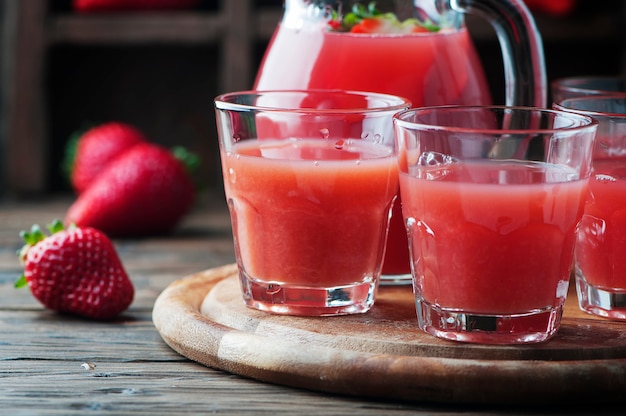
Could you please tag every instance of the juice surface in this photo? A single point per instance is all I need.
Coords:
(601, 241)
(312, 211)
(500, 244)
(426, 68)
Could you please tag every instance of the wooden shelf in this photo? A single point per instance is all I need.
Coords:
(30, 28)
(136, 29)
(151, 28)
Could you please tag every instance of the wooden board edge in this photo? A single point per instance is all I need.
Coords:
(177, 318)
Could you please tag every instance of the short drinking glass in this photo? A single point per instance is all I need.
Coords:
(601, 244)
(492, 197)
(310, 178)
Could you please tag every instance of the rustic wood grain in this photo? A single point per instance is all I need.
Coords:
(42, 353)
(383, 353)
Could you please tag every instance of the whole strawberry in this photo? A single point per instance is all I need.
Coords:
(146, 190)
(97, 147)
(75, 270)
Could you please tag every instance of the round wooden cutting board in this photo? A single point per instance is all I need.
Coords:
(382, 353)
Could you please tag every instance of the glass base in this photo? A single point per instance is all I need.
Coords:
(301, 300)
(601, 302)
(396, 279)
(530, 327)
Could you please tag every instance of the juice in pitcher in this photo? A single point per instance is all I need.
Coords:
(427, 67)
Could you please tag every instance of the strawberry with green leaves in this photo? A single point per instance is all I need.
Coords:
(76, 271)
(145, 191)
(369, 20)
(88, 153)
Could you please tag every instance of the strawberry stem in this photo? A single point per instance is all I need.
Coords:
(20, 282)
(33, 236)
(71, 148)
(56, 226)
(189, 159)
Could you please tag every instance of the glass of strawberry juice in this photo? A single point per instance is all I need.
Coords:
(600, 263)
(492, 198)
(310, 178)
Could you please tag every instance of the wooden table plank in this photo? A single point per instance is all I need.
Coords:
(166, 388)
(41, 352)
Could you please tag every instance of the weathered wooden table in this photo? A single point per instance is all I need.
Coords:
(45, 357)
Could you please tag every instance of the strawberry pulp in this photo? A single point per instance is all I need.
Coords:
(329, 211)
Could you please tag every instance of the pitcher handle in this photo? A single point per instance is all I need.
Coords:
(522, 48)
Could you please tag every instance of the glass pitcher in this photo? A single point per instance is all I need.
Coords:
(417, 49)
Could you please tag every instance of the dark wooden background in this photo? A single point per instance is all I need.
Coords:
(160, 71)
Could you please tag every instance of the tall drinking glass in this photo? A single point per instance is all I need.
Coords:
(492, 197)
(601, 244)
(310, 178)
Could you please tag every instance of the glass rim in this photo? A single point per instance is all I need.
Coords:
(591, 113)
(580, 123)
(395, 103)
(581, 84)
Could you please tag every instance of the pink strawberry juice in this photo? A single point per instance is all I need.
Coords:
(488, 247)
(310, 212)
(427, 68)
(601, 244)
